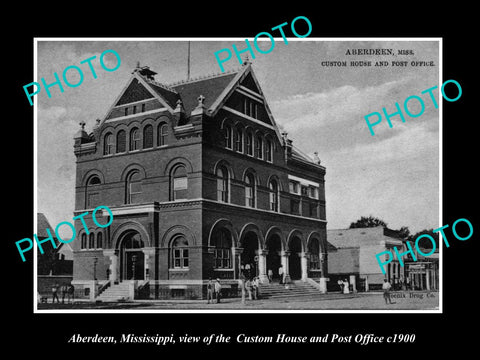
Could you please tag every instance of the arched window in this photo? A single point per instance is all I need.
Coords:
(314, 254)
(134, 187)
(162, 134)
(92, 192)
(121, 141)
(83, 243)
(223, 249)
(108, 144)
(268, 150)
(228, 137)
(274, 195)
(259, 146)
(222, 184)
(134, 139)
(179, 183)
(250, 190)
(238, 139)
(91, 241)
(249, 145)
(180, 253)
(99, 240)
(148, 136)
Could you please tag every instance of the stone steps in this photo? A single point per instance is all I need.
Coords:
(115, 292)
(295, 288)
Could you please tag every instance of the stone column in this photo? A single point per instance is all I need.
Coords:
(323, 285)
(148, 254)
(262, 266)
(236, 253)
(428, 279)
(303, 264)
(284, 260)
(323, 263)
(113, 255)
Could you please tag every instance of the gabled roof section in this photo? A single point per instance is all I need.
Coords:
(141, 87)
(168, 94)
(42, 225)
(244, 77)
(134, 92)
(211, 88)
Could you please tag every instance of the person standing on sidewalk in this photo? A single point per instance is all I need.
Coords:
(270, 275)
(55, 294)
(255, 284)
(386, 291)
(218, 290)
(209, 290)
(280, 274)
(248, 286)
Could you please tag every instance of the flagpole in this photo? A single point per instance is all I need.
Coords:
(188, 62)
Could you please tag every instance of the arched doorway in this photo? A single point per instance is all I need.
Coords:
(274, 247)
(132, 262)
(294, 261)
(249, 257)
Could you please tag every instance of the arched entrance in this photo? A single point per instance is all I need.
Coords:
(274, 247)
(294, 261)
(249, 258)
(132, 262)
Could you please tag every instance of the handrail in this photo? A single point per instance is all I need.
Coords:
(104, 287)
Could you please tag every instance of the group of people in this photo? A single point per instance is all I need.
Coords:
(67, 291)
(214, 290)
(251, 285)
(344, 286)
(281, 275)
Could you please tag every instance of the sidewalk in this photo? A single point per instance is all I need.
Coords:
(332, 301)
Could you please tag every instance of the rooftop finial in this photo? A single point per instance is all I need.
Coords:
(138, 64)
(82, 124)
(201, 99)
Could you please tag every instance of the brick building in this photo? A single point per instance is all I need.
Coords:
(201, 182)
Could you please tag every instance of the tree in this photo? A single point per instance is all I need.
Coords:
(424, 242)
(404, 232)
(365, 222)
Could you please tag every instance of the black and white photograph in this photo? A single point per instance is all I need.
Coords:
(254, 188)
(198, 182)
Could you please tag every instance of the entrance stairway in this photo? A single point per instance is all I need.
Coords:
(295, 288)
(115, 292)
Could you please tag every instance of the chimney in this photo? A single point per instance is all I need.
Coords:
(145, 71)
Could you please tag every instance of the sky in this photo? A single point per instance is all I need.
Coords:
(393, 175)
